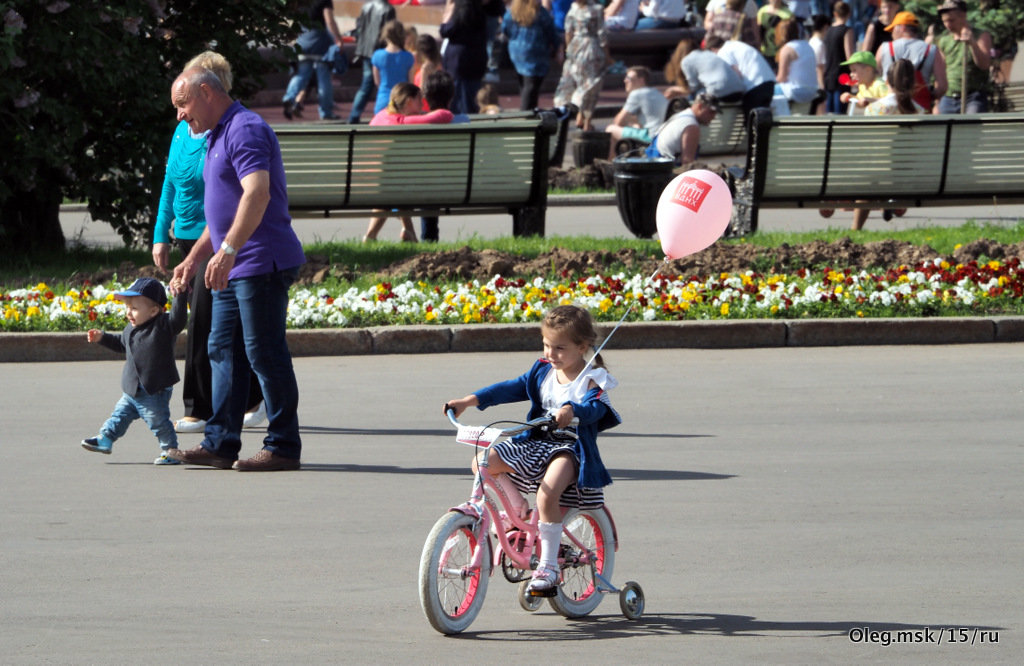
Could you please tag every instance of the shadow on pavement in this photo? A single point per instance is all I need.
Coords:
(710, 624)
(617, 474)
(450, 432)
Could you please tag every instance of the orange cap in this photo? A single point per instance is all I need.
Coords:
(903, 18)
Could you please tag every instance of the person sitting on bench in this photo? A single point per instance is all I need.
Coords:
(679, 136)
(643, 111)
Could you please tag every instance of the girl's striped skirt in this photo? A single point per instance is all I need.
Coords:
(530, 458)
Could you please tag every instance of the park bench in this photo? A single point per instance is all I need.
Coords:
(650, 48)
(724, 135)
(877, 162)
(482, 167)
(1008, 97)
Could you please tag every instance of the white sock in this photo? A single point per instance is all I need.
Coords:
(550, 538)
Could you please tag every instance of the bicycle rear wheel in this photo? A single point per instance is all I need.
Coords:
(450, 594)
(578, 594)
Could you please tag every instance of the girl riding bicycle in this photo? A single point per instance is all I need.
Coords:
(562, 473)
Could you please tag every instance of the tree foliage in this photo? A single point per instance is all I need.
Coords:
(1003, 18)
(85, 100)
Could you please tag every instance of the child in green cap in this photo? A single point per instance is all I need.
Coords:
(864, 74)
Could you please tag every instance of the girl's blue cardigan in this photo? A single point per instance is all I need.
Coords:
(594, 413)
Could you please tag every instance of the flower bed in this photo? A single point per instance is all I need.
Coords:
(932, 288)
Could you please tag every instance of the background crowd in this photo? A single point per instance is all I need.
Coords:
(835, 55)
(872, 57)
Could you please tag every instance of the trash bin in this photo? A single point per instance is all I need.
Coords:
(588, 146)
(639, 182)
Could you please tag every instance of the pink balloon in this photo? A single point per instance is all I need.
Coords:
(693, 212)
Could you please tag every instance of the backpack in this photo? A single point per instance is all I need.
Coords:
(922, 94)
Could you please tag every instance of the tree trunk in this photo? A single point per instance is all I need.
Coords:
(30, 222)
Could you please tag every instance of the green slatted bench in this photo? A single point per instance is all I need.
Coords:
(878, 162)
(480, 167)
(1009, 97)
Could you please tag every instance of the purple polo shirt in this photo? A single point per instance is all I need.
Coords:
(240, 144)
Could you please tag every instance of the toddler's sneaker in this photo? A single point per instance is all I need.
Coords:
(544, 580)
(165, 460)
(98, 444)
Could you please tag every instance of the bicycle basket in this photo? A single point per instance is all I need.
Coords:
(477, 436)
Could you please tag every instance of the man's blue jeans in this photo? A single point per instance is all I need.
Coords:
(366, 92)
(324, 90)
(977, 102)
(153, 408)
(249, 321)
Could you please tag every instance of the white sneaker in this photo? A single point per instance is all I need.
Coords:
(255, 417)
(189, 425)
(543, 579)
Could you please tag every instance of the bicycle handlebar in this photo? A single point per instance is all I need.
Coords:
(479, 436)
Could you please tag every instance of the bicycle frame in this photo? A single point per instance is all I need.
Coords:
(482, 498)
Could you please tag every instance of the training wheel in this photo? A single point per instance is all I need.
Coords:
(631, 600)
(527, 601)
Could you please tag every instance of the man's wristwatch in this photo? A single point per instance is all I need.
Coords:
(228, 249)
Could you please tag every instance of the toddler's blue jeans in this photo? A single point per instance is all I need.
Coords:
(153, 408)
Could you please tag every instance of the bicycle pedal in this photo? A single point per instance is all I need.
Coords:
(550, 592)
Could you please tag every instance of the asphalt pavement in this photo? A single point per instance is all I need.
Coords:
(820, 505)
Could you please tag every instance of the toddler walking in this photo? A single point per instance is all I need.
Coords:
(149, 372)
(562, 473)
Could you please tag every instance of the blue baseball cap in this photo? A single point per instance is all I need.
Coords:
(149, 287)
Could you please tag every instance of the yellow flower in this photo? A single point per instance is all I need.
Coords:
(32, 311)
(773, 309)
(839, 289)
(993, 265)
(431, 316)
(724, 309)
(41, 287)
(860, 313)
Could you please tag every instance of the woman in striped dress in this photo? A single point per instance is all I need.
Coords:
(573, 391)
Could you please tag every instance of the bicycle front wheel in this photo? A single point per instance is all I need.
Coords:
(450, 593)
(578, 595)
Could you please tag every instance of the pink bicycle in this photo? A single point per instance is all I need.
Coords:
(463, 550)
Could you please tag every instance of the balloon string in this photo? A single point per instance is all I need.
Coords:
(622, 319)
